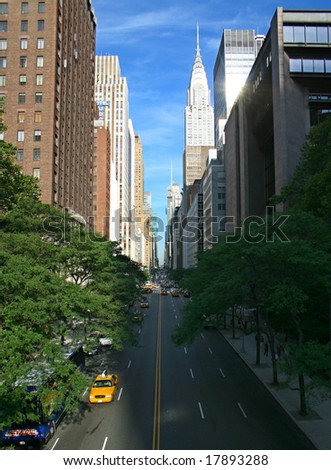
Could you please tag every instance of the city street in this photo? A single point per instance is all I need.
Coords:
(197, 397)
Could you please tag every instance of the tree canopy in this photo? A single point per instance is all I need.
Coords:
(61, 286)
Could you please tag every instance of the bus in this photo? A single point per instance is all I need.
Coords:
(43, 411)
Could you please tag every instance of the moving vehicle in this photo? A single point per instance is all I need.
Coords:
(164, 292)
(42, 405)
(175, 293)
(144, 303)
(42, 415)
(104, 388)
(137, 317)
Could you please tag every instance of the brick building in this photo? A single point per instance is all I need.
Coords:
(47, 52)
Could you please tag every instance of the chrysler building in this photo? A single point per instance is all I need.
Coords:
(199, 122)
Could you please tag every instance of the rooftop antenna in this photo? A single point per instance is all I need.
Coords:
(198, 39)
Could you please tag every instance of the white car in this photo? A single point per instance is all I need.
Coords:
(105, 341)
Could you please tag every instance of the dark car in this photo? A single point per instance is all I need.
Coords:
(137, 317)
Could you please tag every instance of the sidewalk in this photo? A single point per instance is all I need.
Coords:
(317, 425)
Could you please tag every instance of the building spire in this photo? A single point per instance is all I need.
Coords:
(198, 39)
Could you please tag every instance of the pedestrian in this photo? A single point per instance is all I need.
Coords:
(266, 348)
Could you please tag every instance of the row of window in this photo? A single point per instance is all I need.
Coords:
(23, 62)
(24, 7)
(22, 79)
(23, 43)
(21, 117)
(36, 154)
(21, 136)
(307, 34)
(302, 65)
(24, 26)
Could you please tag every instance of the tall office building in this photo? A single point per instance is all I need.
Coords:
(47, 84)
(235, 57)
(199, 122)
(287, 91)
(111, 92)
(174, 199)
(101, 166)
(139, 215)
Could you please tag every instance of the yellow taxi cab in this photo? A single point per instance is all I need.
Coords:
(104, 388)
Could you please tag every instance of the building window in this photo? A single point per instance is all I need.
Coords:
(21, 98)
(40, 43)
(39, 79)
(306, 34)
(36, 173)
(40, 61)
(25, 7)
(20, 136)
(2, 80)
(24, 43)
(23, 61)
(3, 44)
(37, 116)
(3, 26)
(38, 98)
(24, 26)
(3, 62)
(21, 117)
(36, 154)
(3, 8)
(22, 80)
(41, 25)
(37, 136)
(20, 154)
(41, 7)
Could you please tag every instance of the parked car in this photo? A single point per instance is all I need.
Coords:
(104, 388)
(91, 349)
(105, 341)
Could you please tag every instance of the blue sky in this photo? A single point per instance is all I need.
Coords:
(155, 43)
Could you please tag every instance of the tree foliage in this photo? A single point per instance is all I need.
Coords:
(60, 285)
(282, 270)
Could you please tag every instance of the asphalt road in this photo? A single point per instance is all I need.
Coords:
(198, 397)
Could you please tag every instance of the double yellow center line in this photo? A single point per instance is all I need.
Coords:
(157, 391)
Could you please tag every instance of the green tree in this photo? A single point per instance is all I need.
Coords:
(309, 188)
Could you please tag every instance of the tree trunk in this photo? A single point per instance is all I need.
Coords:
(258, 338)
(233, 325)
(303, 401)
(271, 338)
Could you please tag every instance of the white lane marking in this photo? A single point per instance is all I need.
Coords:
(105, 442)
(211, 352)
(221, 372)
(201, 334)
(192, 373)
(119, 395)
(57, 440)
(85, 391)
(129, 364)
(176, 317)
(201, 411)
(241, 409)
(185, 350)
